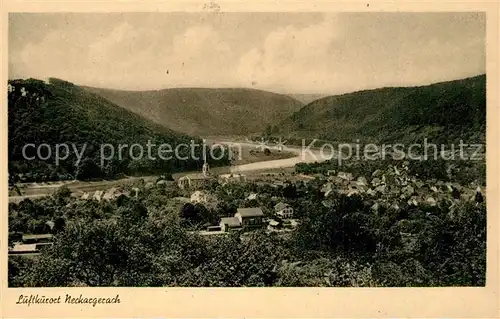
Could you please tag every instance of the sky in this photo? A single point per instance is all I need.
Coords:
(327, 53)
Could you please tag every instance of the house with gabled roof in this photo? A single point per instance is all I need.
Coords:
(245, 218)
(98, 195)
(199, 197)
(326, 189)
(283, 210)
(250, 217)
(228, 178)
(112, 193)
(346, 176)
(229, 223)
(252, 196)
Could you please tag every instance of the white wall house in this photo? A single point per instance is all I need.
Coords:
(98, 195)
(228, 178)
(199, 197)
(283, 210)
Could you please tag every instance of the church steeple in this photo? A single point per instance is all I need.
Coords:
(205, 168)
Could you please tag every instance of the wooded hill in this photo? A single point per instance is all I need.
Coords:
(61, 112)
(204, 111)
(442, 113)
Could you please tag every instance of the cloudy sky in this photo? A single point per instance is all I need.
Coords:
(282, 52)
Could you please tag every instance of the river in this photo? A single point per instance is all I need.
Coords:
(304, 155)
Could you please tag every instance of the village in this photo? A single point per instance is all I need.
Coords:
(392, 189)
(245, 219)
(248, 149)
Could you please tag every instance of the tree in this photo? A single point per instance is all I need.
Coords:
(342, 227)
(188, 211)
(59, 224)
(87, 169)
(290, 191)
(62, 194)
(236, 261)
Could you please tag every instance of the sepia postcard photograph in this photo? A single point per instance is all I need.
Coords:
(246, 149)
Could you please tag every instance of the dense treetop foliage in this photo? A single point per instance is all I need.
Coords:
(342, 239)
(205, 111)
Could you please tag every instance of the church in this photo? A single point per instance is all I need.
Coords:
(198, 180)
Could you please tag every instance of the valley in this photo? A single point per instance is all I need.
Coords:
(303, 217)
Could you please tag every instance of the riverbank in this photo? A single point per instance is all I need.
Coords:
(296, 155)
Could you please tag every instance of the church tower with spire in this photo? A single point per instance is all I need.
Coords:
(205, 168)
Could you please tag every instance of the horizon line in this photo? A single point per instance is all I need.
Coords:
(254, 89)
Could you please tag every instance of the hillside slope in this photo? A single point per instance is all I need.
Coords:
(307, 98)
(200, 111)
(61, 112)
(441, 112)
